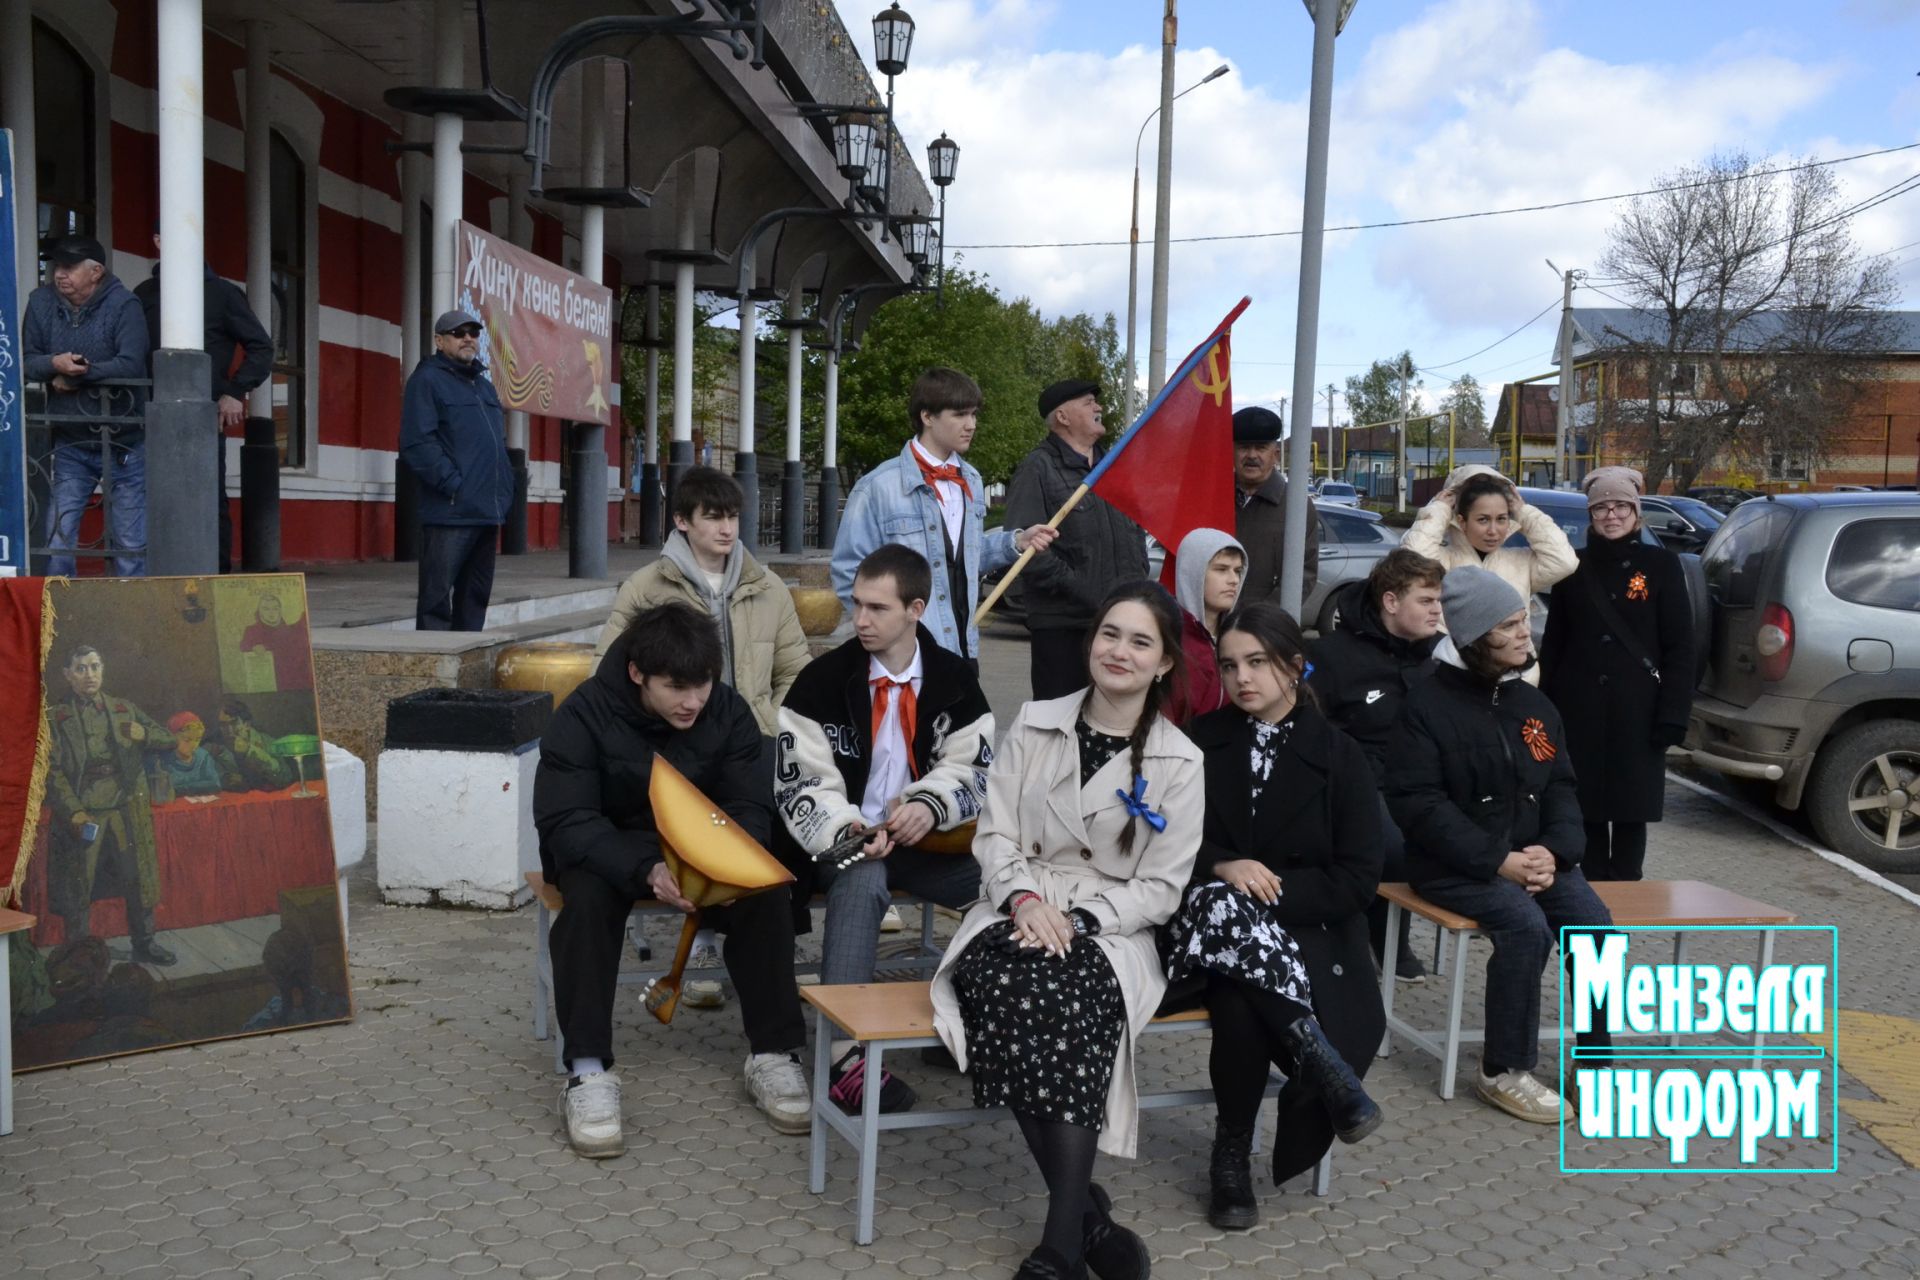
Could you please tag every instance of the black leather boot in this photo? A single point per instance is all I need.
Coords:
(1319, 1067)
(1232, 1207)
(1112, 1252)
(1044, 1264)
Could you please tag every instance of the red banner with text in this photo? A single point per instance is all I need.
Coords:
(548, 343)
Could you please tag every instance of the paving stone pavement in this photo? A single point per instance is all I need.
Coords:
(421, 1140)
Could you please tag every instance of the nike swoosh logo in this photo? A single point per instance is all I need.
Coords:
(1374, 695)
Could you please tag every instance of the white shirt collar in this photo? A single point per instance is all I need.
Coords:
(930, 459)
(875, 671)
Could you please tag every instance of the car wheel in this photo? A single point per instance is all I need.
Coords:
(1330, 613)
(1864, 795)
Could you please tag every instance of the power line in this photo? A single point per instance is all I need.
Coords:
(1435, 368)
(1456, 217)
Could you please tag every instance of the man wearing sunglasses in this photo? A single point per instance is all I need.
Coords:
(453, 436)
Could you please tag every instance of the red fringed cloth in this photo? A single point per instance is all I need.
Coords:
(26, 629)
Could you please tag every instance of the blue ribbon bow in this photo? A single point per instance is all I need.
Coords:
(1137, 804)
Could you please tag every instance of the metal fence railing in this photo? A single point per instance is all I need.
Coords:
(95, 459)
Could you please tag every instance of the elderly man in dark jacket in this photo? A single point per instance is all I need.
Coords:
(242, 356)
(1097, 550)
(83, 329)
(453, 436)
(657, 693)
(1260, 492)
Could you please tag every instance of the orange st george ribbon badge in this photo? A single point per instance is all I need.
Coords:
(1534, 734)
(1637, 587)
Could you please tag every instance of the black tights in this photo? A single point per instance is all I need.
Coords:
(1065, 1154)
(1615, 851)
(1246, 1019)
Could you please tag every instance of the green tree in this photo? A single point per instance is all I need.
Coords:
(1374, 396)
(1468, 403)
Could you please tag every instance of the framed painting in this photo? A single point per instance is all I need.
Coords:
(182, 870)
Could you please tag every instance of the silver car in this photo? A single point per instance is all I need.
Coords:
(1813, 678)
(1352, 541)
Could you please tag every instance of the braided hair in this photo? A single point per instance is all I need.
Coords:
(1166, 620)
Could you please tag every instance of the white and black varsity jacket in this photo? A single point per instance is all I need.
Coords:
(825, 745)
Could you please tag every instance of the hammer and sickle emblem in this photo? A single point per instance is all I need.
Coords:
(1216, 385)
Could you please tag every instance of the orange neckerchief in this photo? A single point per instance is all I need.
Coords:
(883, 687)
(949, 471)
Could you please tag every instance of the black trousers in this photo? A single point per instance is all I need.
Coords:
(585, 948)
(1392, 868)
(456, 576)
(1059, 658)
(1615, 851)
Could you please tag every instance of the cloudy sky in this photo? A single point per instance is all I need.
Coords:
(1440, 107)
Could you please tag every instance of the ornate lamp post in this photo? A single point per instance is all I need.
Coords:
(943, 161)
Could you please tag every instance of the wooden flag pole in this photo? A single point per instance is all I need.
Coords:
(1000, 588)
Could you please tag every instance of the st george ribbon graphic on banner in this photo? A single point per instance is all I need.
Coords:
(13, 427)
(549, 331)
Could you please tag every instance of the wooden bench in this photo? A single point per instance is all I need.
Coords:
(1677, 905)
(10, 922)
(885, 1016)
(547, 904)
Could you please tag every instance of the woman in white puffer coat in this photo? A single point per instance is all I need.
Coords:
(1468, 523)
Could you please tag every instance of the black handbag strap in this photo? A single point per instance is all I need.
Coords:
(1615, 623)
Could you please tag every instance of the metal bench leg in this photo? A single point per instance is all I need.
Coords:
(1439, 951)
(1389, 961)
(817, 1143)
(1457, 992)
(869, 1139)
(926, 929)
(1766, 958)
(540, 928)
(1323, 1174)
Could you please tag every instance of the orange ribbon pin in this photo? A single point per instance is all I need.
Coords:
(1534, 734)
(1637, 587)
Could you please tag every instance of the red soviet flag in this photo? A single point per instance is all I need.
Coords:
(1172, 472)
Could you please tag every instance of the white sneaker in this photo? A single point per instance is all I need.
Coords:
(704, 993)
(891, 922)
(1520, 1094)
(779, 1088)
(592, 1107)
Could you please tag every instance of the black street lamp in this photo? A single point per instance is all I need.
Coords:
(892, 40)
(943, 161)
(915, 234)
(854, 138)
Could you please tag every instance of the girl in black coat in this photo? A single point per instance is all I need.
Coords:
(1274, 924)
(1620, 673)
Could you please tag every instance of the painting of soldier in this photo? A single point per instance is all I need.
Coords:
(182, 869)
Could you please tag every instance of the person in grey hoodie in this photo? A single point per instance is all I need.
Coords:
(83, 329)
(1208, 570)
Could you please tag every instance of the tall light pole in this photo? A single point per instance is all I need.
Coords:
(1327, 21)
(1133, 245)
(1162, 205)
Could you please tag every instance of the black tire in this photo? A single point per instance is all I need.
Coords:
(1330, 612)
(1701, 605)
(1854, 766)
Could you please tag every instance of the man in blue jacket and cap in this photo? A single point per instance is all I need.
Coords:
(453, 436)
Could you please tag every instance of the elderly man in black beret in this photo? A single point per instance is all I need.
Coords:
(1098, 548)
(1260, 492)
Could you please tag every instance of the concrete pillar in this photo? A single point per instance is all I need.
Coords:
(793, 482)
(680, 456)
(16, 113)
(449, 62)
(745, 469)
(513, 538)
(182, 425)
(587, 530)
(830, 454)
(414, 178)
(650, 513)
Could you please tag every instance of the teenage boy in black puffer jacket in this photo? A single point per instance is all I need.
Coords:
(1483, 790)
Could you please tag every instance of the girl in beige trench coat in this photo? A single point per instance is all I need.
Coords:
(1092, 820)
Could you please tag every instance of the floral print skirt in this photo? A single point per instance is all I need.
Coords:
(1043, 1032)
(1220, 929)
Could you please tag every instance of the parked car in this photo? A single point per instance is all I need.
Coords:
(1352, 541)
(1681, 524)
(1721, 497)
(1813, 681)
(1337, 493)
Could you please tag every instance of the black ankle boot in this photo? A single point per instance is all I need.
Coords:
(1232, 1207)
(1045, 1264)
(1112, 1252)
(1319, 1067)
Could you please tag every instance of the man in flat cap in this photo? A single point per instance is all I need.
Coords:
(1098, 548)
(453, 435)
(82, 329)
(1260, 492)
